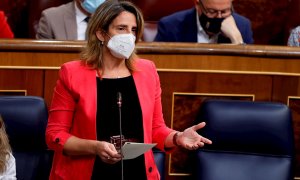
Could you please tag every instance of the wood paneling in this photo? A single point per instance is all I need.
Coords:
(269, 73)
(268, 19)
(51, 77)
(271, 20)
(32, 81)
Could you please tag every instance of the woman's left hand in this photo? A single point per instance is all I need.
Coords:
(190, 139)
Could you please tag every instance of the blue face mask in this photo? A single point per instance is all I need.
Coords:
(91, 5)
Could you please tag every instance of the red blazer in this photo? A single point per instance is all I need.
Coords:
(73, 112)
(5, 31)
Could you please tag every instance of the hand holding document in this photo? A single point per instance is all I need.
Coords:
(132, 150)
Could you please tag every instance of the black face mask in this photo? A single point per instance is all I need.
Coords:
(211, 26)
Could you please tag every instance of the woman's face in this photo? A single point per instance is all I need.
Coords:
(125, 23)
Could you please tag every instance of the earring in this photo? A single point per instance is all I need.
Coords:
(101, 42)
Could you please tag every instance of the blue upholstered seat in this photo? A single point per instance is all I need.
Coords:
(26, 119)
(160, 157)
(251, 141)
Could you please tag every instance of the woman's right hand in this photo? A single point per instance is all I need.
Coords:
(107, 152)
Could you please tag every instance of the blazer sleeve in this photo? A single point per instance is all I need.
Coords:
(162, 32)
(44, 30)
(244, 26)
(61, 112)
(248, 35)
(160, 130)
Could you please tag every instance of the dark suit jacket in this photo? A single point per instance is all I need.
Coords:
(182, 27)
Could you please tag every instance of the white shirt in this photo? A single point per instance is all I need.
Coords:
(202, 37)
(10, 172)
(81, 24)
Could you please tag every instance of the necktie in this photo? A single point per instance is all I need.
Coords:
(87, 19)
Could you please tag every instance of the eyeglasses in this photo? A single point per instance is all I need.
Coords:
(214, 13)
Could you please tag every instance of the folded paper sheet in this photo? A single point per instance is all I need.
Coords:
(132, 150)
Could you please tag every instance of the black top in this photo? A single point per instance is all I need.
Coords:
(108, 124)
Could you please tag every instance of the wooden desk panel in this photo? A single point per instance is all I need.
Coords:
(264, 73)
(31, 82)
(51, 77)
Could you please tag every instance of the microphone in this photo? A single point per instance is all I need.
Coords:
(119, 103)
(119, 99)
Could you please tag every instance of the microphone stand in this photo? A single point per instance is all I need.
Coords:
(119, 103)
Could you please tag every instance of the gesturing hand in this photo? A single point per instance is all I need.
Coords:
(190, 139)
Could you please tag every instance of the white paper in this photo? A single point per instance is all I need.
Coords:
(132, 150)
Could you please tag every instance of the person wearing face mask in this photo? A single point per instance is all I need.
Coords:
(84, 113)
(210, 21)
(68, 21)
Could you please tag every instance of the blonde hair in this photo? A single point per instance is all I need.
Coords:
(92, 54)
(5, 148)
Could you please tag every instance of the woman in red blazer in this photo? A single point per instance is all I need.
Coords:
(5, 31)
(85, 111)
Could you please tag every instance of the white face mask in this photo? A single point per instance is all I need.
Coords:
(121, 45)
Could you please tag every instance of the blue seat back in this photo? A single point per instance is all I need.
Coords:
(251, 140)
(26, 120)
(160, 157)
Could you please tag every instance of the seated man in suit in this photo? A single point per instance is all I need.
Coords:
(68, 21)
(210, 21)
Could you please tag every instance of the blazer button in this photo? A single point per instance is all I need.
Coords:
(150, 169)
(57, 140)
